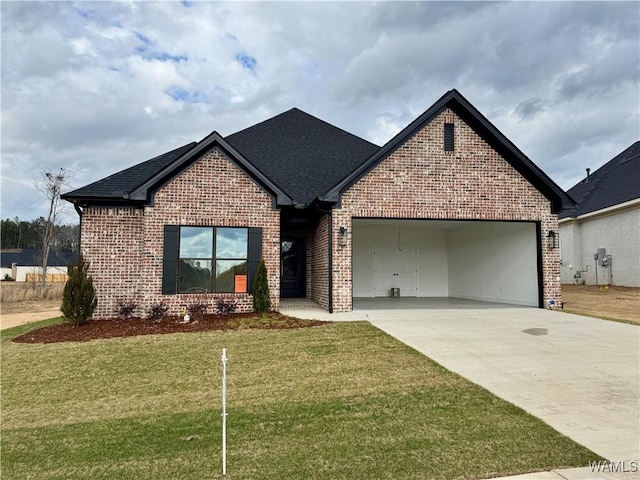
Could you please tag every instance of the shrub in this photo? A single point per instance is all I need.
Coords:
(125, 308)
(198, 307)
(260, 290)
(157, 311)
(226, 307)
(79, 296)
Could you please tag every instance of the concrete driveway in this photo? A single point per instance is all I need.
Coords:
(579, 374)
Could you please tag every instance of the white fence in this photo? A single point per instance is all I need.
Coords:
(24, 274)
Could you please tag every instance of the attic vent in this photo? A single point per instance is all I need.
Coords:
(448, 137)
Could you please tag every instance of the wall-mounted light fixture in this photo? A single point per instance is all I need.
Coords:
(552, 239)
(342, 239)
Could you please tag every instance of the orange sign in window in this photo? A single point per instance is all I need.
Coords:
(241, 283)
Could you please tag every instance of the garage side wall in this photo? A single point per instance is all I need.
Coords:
(421, 180)
(477, 267)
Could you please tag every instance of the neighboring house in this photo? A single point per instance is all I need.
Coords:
(448, 207)
(600, 236)
(25, 264)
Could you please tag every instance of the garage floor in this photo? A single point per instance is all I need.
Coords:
(405, 303)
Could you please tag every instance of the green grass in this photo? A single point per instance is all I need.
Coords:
(338, 401)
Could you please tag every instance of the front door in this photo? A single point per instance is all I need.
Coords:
(293, 268)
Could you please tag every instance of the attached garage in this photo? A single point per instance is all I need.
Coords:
(448, 208)
(493, 261)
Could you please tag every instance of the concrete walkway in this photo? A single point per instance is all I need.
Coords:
(578, 374)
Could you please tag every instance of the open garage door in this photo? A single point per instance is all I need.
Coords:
(478, 260)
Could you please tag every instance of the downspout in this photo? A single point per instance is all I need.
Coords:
(330, 262)
(79, 212)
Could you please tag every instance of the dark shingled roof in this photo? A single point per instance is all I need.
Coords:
(299, 158)
(119, 185)
(300, 153)
(28, 257)
(616, 182)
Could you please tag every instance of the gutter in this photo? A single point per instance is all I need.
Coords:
(602, 212)
(79, 212)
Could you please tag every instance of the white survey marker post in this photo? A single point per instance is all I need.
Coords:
(224, 411)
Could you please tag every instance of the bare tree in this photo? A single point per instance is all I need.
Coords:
(50, 185)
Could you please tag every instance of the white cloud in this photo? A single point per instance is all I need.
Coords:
(100, 86)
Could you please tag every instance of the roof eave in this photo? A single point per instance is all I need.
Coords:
(101, 201)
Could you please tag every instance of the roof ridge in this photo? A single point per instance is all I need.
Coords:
(307, 114)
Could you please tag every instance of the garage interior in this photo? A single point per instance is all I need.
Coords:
(444, 263)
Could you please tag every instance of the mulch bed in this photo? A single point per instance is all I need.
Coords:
(98, 329)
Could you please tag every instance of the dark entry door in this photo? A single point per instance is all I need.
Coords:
(292, 268)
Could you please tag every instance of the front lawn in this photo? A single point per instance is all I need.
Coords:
(337, 401)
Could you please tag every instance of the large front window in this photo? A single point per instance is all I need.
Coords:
(213, 260)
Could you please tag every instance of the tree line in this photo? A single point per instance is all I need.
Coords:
(18, 233)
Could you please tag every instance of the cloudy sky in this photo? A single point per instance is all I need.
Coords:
(96, 87)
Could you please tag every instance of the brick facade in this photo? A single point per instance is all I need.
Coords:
(422, 181)
(112, 242)
(124, 245)
(319, 250)
(419, 180)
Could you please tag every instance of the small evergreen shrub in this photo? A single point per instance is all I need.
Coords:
(198, 307)
(260, 290)
(125, 308)
(157, 311)
(226, 307)
(79, 296)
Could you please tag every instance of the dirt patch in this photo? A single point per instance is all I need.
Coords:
(19, 313)
(97, 329)
(619, 303)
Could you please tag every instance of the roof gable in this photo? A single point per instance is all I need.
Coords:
(616, 182)
(137, 184)
(302, 154)
(145, 191)
(468, 113)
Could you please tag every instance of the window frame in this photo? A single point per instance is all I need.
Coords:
(213, 287)
(170, 257)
